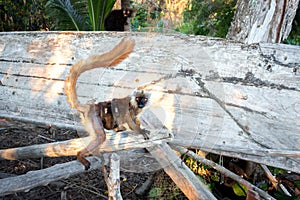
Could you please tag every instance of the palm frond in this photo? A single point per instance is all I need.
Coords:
(98, 11)
(69, 15)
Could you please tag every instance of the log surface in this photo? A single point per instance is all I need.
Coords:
(213, 94)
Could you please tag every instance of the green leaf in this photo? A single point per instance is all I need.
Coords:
(239, 190)
(98, 11)
(68, 14)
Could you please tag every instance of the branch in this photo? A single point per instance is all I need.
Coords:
(112, 179)
(44, 176)
(114, 142)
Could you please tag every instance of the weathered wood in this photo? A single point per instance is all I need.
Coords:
(114, 142)
(112, 178)
(36, 178)
(211, 93)
(263, 21)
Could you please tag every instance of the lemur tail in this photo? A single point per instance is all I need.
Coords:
(109, 59)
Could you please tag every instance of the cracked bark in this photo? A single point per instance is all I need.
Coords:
(263, 21)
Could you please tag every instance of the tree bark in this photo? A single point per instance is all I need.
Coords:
(263, 21)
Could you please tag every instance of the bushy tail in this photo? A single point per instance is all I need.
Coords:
(109, 59)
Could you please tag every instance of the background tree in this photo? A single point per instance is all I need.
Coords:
(263, 21)
(22, 15)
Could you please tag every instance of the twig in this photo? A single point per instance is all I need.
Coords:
(46, 138)
(274, 180)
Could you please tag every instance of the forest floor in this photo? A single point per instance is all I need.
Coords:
(88, 185)
(91, 184)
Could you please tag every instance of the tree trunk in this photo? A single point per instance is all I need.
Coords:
(263, 21)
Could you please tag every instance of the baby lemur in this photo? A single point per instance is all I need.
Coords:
(108, 114)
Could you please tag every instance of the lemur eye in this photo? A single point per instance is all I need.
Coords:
(145, 99)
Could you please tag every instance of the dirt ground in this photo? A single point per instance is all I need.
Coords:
(88, 185)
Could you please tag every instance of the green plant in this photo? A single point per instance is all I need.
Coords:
(139, 20)
(68, 15)
(79, 14)
(146, 17)
(98, 11)
(294, 37)
(239, 190)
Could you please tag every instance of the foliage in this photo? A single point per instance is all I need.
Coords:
(218, 183)
(22, 15)
(207, 175)
(140, 19)
(68, 14)
(294, 37)
(146, 16)
(79, 14)
(207, 17)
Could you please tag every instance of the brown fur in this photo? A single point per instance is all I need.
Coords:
(125, 111)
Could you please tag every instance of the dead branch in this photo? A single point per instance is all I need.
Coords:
(44, 176)
(273, 180)
(115, 142)
(112, 179)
